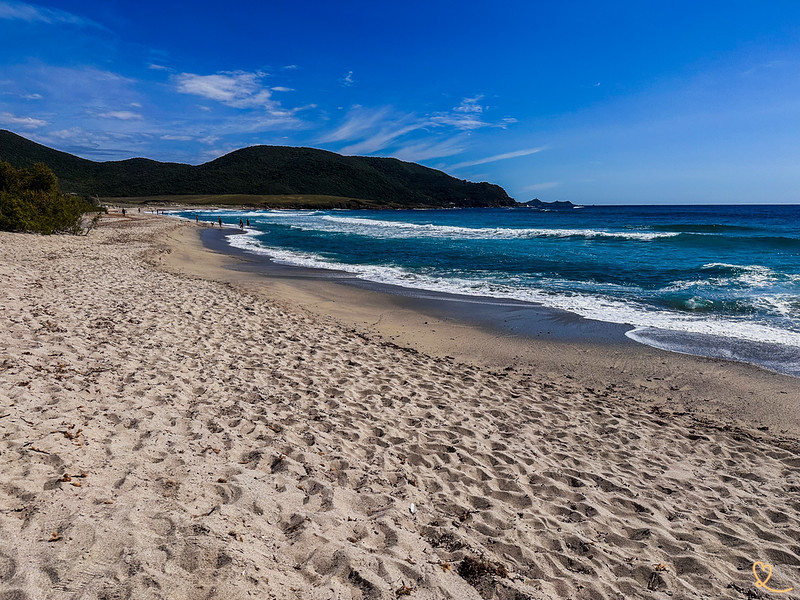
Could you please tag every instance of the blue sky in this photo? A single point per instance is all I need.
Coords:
(594, 102)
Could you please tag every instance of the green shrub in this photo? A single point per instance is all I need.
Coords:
(30, 200)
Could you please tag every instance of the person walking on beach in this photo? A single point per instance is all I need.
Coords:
(123, 212)
(241, 224)
(248, 222)
(196, 219)
(220, 222)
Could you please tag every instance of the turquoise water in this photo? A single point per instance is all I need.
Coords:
(714, 280)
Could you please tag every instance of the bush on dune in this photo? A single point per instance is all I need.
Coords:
(30, 200)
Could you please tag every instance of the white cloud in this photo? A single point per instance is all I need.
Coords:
(463, 121)
(32, 13)
(468, 115)
(32, 96)
(66, 134)
(24, 122)
(370, 130)
(156, 67)
(282, 89)
(426, 150)
(348, 79)
(237, 89)
(496, 157)
(177, 138)
(470, 105)
(123, 115)
(359, 122)
(381, 139)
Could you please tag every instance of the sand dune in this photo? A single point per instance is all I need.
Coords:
(166, 436)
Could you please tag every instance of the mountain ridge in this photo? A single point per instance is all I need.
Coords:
(259, 170)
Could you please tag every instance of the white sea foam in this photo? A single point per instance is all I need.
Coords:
(785, 305)
(751, 275)
(588, 305)
(380, 228)
(377, 228)
(285, 213)
(738, 276)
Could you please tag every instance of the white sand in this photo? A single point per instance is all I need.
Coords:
(167, 436)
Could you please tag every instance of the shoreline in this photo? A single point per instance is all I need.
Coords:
(518, 318)
(592, 354)
(710, 338)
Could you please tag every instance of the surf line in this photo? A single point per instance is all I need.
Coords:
(764, 567)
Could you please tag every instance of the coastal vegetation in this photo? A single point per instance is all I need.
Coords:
(305, 177)
(30, 200)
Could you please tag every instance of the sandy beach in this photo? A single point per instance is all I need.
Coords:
(174, 428)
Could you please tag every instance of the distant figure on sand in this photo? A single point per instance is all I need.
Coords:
(196, 219)
(241, 224)
(248, 222)
(123, 212)
(220, 222)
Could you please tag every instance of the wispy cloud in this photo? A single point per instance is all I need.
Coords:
(242, 90)
(279, 88)
(371, 130)
(72, 95)
(468, 115)
(7, 118)
(470, 105)
(425, 150)
(101, 145)
(32, 13)
(156, 67)
(348, 79)
(358, 123)
(123, 115)
(238, 89)
(464, 121)
(381, 139)
(496, 157)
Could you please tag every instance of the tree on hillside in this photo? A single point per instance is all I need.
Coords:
(30, 200)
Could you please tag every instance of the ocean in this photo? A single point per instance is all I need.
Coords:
(720, 281)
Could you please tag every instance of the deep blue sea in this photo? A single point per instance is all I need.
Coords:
(711, 280)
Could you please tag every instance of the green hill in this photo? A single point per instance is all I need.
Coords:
(259, 170)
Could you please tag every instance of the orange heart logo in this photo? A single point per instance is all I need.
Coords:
(762, 583)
